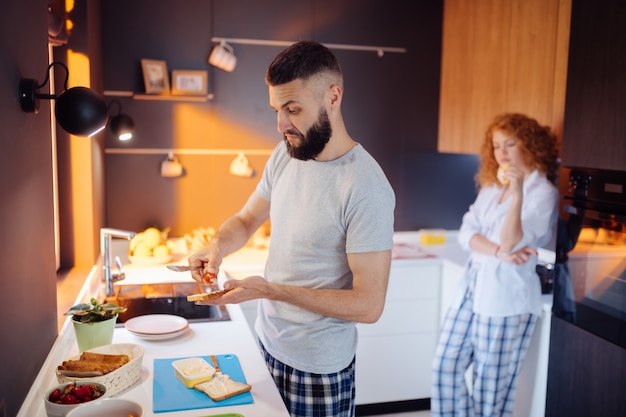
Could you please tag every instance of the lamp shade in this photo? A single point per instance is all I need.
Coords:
(122, 126)
(81, 111)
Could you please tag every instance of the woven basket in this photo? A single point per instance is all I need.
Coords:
(120, 379)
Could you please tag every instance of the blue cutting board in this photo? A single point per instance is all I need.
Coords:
(170, 394)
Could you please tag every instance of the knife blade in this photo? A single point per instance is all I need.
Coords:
(208, 277)
(180, 268)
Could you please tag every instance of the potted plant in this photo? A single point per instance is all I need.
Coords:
(94, 323)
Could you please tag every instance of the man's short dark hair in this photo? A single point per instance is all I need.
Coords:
(301, 61)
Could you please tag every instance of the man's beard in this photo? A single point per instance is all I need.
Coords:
(313, 143)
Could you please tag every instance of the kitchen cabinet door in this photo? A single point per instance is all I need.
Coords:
(594, 130)
(585, 374)
(501, 56)
(394, 355)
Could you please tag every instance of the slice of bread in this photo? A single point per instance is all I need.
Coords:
(206, 295)
(105, 358)
(221, 387)
(92, 364)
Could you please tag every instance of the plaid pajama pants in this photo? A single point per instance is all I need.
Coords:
(496, 346)
(313, 395)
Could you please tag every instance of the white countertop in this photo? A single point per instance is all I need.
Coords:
(233, 337)
(208, 338)
(450, 250)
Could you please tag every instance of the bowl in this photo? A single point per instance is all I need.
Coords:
(54, 409)
(108, 407)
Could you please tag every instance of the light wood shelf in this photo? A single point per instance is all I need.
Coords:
(157, 97)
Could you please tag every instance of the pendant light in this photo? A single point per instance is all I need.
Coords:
(122, 126)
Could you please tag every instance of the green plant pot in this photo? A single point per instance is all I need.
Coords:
(91, 335)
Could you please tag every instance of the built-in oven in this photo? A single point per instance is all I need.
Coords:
(593, 215)
(587, 358)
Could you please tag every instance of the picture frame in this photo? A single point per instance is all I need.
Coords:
(155, 76)
(189, 82)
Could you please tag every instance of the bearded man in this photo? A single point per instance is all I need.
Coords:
(331, 211)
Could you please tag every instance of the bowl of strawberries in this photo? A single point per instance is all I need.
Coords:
(62, 398)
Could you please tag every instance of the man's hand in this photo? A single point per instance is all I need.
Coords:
(205, 265)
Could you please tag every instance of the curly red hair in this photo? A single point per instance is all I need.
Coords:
(537, 143)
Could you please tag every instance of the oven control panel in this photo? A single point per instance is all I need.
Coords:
(593, 185)
(579, 183)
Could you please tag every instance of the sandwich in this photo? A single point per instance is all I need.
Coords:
(501, 173)
(221, 387)
(207, 295)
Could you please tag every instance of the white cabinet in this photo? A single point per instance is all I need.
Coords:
(394, 355)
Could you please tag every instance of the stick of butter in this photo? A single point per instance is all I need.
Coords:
(432, 236)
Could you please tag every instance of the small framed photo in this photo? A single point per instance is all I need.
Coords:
(189, 82)
(155, 76)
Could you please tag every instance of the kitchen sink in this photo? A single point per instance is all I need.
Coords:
(169, 298)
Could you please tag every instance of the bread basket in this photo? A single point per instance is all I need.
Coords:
(121, 378)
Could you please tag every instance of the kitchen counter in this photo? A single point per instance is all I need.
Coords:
(203, 338)
(235, 336)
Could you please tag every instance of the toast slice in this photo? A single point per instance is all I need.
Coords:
(105, 358)
(221, 387)
(207, 295)
(92, 364)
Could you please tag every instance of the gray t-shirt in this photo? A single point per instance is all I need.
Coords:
(320, 211)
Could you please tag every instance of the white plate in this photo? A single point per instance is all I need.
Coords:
(149, 260)
(162, 336)
(156, 324)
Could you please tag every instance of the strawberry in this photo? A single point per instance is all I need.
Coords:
(96, 391)
(55, 395)
(83, 393)
(69, 399)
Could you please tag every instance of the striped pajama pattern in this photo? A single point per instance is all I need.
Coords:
(495, 345)
(313, 395)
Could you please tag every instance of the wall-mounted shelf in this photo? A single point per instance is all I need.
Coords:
(156, 97)
(185, 151)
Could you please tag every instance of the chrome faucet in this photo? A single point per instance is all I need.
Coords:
(105, 252)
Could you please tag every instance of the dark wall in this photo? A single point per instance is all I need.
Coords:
(27, 280)
(390, 104)
(440, 189)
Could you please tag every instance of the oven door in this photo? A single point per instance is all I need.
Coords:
(590, 286)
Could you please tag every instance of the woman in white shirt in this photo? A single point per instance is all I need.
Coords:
(493, 315)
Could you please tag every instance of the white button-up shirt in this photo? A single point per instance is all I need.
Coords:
(502, 288)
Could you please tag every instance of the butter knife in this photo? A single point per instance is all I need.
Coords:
(216, 365)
